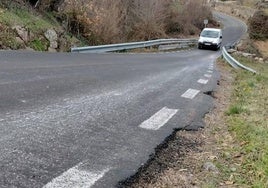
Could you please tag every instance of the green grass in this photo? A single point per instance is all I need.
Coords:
(39, 45)
(248, 122)
(21, 16)
(235, 109)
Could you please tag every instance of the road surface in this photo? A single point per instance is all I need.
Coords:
(91, 120)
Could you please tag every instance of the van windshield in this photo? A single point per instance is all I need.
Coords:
(209, 34)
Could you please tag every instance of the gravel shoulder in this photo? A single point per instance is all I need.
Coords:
(190, 158)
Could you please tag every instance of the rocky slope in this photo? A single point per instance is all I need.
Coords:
(23, 27)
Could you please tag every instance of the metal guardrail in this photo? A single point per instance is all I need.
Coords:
(233, 62)
(132, 45)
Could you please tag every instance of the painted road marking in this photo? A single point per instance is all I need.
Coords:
(190, 93)
(202, 81)
(159, 119)
(210, 71)
(208, 75)
(76, 178)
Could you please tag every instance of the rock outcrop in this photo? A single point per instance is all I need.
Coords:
(22, 32)
(52, 36)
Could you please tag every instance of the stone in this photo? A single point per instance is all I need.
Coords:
(231, 51)
(22, 32)
(19, 40)
(29, 49)
(52, 37)
(261, 60)
(208, 166)
(248, 55)
(52, 49)
(233, 169)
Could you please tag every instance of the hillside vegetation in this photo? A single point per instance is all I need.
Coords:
(57, 25)
(97, 21)
(100, 21)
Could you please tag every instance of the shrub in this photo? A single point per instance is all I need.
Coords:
(102, 21)
(148, 20)
(258, 26)
(181, 19)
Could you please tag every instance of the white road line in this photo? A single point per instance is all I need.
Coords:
(75, 178)
(159, 119)
(210, 71)
(208, 75)
(190, 93)
(202, 81)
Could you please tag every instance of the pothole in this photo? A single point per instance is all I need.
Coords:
(210, 93)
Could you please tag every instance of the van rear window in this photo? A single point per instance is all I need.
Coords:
(209, 34)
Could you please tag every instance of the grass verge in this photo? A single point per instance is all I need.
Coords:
(22, 16)
(247, 119)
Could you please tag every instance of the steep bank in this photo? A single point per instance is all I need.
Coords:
(49, 25)
(22, 27)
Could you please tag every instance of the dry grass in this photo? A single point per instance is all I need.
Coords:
(232, 8)
(125, 20)
(262, 47)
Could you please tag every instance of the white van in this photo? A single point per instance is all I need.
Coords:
(210, 38)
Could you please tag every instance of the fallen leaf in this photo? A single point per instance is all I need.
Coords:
(212, 157)
(238, 155)
(244, 143)
(229, 183)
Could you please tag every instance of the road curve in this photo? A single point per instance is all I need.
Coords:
(91, 120)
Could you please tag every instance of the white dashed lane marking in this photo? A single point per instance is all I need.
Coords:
(208, 75)
(76, 178)
(159, 119)
(202, 81)
(190, 93)
(210, 71)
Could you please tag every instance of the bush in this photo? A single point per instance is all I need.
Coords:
(258, 26)
(181, 20)
(102, 21)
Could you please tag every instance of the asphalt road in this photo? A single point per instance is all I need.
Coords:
(91, 120)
